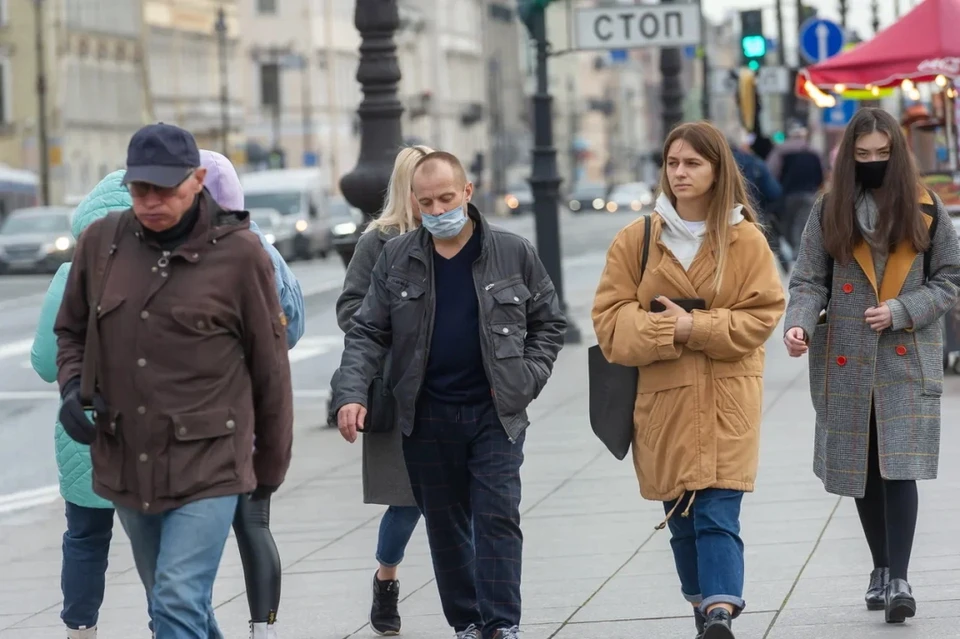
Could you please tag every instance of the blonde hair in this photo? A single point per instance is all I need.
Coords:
(728, 189)
(398, 211)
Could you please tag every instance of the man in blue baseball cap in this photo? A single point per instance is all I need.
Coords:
(171, 329)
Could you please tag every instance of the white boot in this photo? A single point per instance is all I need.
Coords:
(82, 633)
(263, 630)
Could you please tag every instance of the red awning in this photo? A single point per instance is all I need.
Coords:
(920, 46)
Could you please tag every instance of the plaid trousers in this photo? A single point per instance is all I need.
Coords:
(465, 475)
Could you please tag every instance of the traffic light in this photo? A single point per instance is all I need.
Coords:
(753, 44)
(527, 8)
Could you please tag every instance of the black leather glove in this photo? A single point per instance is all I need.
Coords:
(262, 492)
(74, 418)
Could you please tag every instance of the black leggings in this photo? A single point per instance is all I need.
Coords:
(888, 513)
(261, 561)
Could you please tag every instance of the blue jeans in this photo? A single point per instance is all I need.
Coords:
(707, 548)
(396, 528)
(177, 554)
(86, 546)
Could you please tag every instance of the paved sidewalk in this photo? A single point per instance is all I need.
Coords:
(593, 566)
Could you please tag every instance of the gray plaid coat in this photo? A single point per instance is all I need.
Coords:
(899, 370)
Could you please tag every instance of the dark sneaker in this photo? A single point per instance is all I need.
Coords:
(472, 632)
(719, 625)
(507, 633)
(384, 615)
(700, 621)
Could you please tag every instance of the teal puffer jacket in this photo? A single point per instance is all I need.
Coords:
(73, 459)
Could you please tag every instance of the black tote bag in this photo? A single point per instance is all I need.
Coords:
(613, 388)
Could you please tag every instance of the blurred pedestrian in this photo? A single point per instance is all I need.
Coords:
(472, 325)
(160, 301)
(695, 322)
(251, 525)
(799, 169)
(764, 190)
(385, 479)
(879, 266)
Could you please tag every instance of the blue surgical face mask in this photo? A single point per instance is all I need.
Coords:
(446, 225)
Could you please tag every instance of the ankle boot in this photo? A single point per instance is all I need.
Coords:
(899, 602)
(700, 621)
(876, 591)
(719, 625)
(82, 633)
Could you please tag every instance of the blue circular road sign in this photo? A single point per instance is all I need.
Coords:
(821, 39)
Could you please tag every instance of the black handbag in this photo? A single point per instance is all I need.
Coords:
(381, 408)
(613, 388)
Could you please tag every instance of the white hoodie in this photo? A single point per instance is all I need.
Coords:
(684, 238)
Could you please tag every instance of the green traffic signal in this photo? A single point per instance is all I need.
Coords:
(753, 65)
(754, 46)
(528, 8)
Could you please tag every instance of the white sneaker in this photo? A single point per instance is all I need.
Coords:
(82, 633)
(263, 630)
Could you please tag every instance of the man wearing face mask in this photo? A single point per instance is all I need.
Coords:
(473, 326)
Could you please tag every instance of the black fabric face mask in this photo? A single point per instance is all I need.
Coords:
(870, 175)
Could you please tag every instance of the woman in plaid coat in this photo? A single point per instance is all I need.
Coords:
(879, 265)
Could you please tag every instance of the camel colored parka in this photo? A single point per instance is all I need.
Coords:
(699, 405)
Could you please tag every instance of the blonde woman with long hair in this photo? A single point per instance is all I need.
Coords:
(385, 479)
(695, 322)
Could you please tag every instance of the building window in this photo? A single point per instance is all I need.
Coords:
(270, 84)
(266, 6)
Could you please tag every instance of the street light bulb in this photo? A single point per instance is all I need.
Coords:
(941, 81)
(840, 88)
(906, 85)
(875, 91)
(915, 95)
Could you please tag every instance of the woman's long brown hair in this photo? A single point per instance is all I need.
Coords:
(898, 200)
(728, 188)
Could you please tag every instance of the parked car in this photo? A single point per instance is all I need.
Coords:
(588, 197)
(345, 220)
(298, 194)
(633, 196)
(36, 240)
(277, 230)
(519, 199)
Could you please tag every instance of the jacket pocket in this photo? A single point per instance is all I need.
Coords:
(662, 405)
(738, 404)
(106, 454)
(203, 452)
(510, 302)
(406, 301)
(517, 386)
(196, 320)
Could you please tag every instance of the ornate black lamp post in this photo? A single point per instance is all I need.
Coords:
(380, 135)
(545, 179)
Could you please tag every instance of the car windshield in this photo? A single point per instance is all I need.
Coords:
(339, 210)
(287, 203)
(36, 223)
(589, 191)
(263, 220)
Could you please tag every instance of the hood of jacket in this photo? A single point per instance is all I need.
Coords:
(222, 180)
(109, 195)
(683, 241)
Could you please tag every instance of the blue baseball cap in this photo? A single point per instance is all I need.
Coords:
(162, 155)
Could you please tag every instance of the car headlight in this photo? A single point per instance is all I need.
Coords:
(301, 225)
(646, 199)
(598, 203)
(62, 243)
(270, 238)
(612, 207)
(512, 201)
(574, 205)
(344, 228)
(636, 205)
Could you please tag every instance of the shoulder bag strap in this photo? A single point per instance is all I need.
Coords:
(646, 244)
(102, 259)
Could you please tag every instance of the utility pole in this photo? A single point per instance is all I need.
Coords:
(221, 29)
(306, 85)
(671, 95)
(842, 8)
(705, 61)
(42, 140)
(875, 13)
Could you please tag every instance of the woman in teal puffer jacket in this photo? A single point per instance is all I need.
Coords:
(86, 542)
